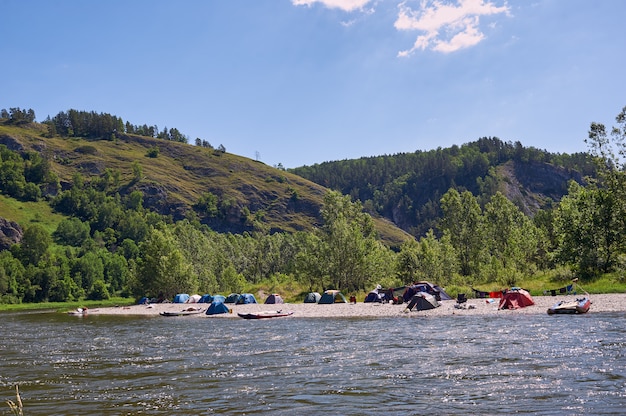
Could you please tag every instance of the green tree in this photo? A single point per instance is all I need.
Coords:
(590, 221)
(72, 232)
(198, 249)
(35, 244)
(87, 269)
(462, 223)
(12, 280)
(309, 269)
(510, 236)
(208, 204)
(350, 252)
(162, 268)
(98, 291)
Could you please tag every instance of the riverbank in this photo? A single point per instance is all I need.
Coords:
(600, 303)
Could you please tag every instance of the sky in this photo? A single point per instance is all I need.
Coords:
(300, 82)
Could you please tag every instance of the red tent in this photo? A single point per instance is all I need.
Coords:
(516, 298)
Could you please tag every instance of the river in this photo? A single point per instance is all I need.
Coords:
(113, 365)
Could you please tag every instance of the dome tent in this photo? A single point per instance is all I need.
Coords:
(217, 308)
(312, 297)
(232, 298)
(181, 298)
(246, 298)
(423, 301)
(516, 298)
(332, 296)
(274, 298)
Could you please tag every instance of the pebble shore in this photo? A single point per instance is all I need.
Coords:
(600, 303)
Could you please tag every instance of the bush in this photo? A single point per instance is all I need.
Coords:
(99, 291)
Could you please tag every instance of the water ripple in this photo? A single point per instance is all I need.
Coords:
(495, 364)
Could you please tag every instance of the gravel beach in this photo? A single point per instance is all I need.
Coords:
(600, 303)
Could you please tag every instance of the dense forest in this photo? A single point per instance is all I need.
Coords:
(110, 242)
(407, 188)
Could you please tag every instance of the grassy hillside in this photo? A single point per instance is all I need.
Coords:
(253, 196)
(26, 213)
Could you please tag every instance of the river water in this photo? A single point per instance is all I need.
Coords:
(112, 365)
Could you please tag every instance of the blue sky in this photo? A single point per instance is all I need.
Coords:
(299, 82)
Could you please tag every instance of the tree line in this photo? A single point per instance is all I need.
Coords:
(109, 244)
(93, 125)
(407, 187)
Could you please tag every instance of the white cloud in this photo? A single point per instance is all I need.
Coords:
(447, 27)
(346, 5)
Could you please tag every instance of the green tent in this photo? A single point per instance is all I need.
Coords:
(332, 296)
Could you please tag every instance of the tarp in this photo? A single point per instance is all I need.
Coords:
(206, 299)
(194, 299)
(217, 308)
(516, 298)
(427, 287)
(232, 298)
(332, 296)
(312, 297)
(246, 298)
(422, 301)
(181, 298)
(274, 298)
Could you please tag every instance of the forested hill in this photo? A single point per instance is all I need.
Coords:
(406, 188)
(202, 182)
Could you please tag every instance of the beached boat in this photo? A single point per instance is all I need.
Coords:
(580, 305)
(264, 314)
(185, 312)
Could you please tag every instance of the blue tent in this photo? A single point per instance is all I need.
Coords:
(232, 298)
(219, 298)
(246, 298)
(206, 299)
(181, 298)
(374, 296)
(144, 301)
(217, 308)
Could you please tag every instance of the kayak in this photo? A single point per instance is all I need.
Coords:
(264, 314)
(185, 312)
(580, 305)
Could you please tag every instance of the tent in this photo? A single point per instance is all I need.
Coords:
(422, 301)
(426, 287)
(217, 308)
(144, 301)
(516, 298)
(246, 298)
(181, 298)
(274, 298)
(219, 298)
(312, 297)
(194, 299)
(206, 299)
(332, 296)
(232, 298)
(374, 296)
